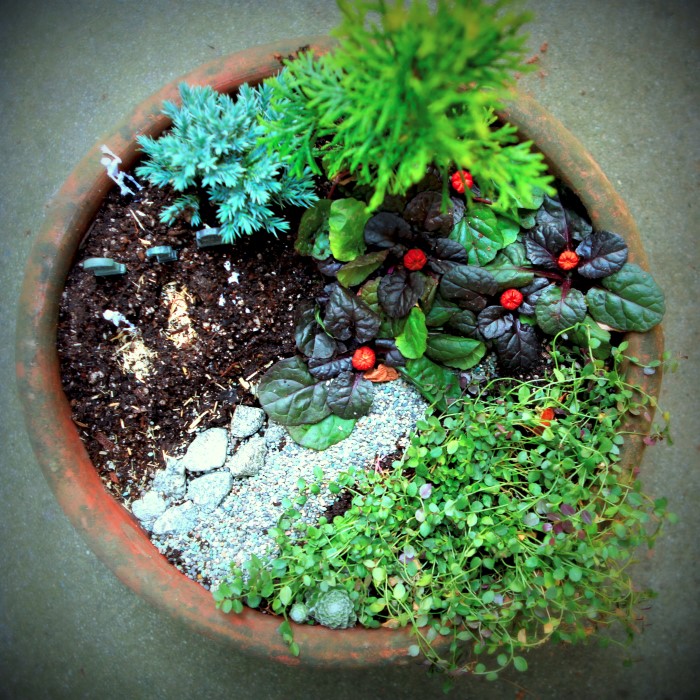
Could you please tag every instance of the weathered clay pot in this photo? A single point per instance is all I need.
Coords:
(109, 529)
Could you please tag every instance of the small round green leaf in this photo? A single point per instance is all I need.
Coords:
(520, 663)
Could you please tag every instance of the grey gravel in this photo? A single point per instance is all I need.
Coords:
(237, 528)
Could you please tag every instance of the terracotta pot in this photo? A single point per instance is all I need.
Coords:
(109, 529)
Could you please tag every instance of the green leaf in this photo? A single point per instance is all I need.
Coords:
(440, 312)
(399, 591)
(290, 395)
(588, 334)
(455, 351)
(359, 269)
(313, 224)
(285, 595)
(509, 229)
(575, 574)
(520, 663)
(378, 574)
(321, 435)
(413, 341)
(432, 380)
(478, 232)
(630, 301)
(508, 267)
(347, 228)
(554, 313)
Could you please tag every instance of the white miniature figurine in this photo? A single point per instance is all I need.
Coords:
(112, 166)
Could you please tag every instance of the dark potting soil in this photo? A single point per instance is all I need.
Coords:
(213, 321)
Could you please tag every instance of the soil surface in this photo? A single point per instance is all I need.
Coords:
(202, 328)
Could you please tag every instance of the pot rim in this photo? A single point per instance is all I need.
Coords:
(111, 531)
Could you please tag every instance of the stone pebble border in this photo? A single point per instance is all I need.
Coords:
(214, 505)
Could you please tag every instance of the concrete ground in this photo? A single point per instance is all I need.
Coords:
(621, 75)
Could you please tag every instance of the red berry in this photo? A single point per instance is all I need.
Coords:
(363, 358)
(414, 259)
(567, 260)
(457, 183)
(511, 299)
(547, 416)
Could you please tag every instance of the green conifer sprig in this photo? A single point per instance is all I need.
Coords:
(406, 87)
(213, 150)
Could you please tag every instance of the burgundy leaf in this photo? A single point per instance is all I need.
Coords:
(494, 321)
(518, 348)
(347, 317)
(385, 230)
(544, 244)
(400, 291)
(425, 212)
(350, 395)
(602, 253)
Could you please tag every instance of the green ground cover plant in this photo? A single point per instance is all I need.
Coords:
(508, 522)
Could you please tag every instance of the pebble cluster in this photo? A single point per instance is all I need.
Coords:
(237, 527)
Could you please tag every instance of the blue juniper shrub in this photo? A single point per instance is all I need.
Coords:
(213, 150)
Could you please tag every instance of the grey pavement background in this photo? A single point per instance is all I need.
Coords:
(621, 75)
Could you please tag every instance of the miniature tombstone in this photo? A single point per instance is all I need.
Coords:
(208, 237)
(161, 254)
(103, 267)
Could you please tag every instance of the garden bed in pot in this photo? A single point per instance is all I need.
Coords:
(109, 528)
(154, 357)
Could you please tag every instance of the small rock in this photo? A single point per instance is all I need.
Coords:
(149, 508)
(246, 421)
(249, 458)
(207, 451)
(209, 490)
(177, 520)
(274, 434)
(171, 480)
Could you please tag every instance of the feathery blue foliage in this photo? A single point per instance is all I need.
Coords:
(213, 150)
